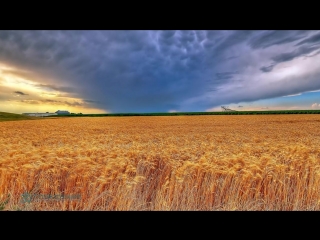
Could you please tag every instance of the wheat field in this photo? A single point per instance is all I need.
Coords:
(268, 162)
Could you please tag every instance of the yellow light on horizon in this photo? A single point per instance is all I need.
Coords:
(35, 92)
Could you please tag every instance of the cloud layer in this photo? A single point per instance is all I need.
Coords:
(315, 105)
(160, 71)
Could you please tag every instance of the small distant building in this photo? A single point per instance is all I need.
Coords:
(62, 112)
(46, 114)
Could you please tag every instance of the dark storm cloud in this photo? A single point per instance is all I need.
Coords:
(20, 93)
(235, 38)
(264, 90)
(313, 39)
(289, 56)
(150, 71)
(268, 68)
(314, 54)
(229, 58)
(225, 75)
(221, 78)
(276, 37)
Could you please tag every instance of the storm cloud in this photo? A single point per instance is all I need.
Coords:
(50, 101)
(288, 56)
(311, 40)
(267, 68)
(20, 93)
(270, 38)
(160, 71)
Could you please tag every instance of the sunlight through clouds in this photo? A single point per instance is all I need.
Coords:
(24, 95)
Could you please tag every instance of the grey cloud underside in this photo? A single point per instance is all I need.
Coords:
(20, 93)
(289, 56)
(267, 68)
(89, 101)
(309, 45)
(313, 39)
(54, 102)
(224, 75)
(270, 38)
(284, 57)
(288, 86)
(149, 71)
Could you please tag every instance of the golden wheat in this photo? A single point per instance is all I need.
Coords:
(268, 162)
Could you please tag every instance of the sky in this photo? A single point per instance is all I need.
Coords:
(137, 71)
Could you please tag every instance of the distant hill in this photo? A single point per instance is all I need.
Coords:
(4, 116)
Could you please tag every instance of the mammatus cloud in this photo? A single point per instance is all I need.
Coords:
(160, 71)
